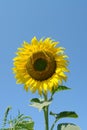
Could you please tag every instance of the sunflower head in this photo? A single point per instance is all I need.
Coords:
(40, 66)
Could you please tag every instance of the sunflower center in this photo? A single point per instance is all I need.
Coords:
(41, 66)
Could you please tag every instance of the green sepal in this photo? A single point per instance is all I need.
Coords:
(59, 88)
(64, 114)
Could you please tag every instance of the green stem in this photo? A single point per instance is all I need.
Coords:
(53, 125)
(46, 118)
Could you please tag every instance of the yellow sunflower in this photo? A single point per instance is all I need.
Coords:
(40, 66)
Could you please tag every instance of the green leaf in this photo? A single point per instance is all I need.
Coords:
(26, 125)
(67, 114)
(35, 100)
(64, 114)
(60, 88)
(6, 115)
(20, 122)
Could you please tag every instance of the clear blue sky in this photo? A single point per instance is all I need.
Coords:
(62, 20)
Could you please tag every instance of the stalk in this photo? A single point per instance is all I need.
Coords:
(46, 116)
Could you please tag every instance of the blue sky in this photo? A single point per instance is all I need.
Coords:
(62, 20)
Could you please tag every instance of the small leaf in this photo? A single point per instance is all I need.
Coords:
(60, 88)
(53, 114)
(64, 114)
(26, 125)
(35, 100)
(40, 105)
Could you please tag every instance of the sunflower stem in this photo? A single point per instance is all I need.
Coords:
(46, 110)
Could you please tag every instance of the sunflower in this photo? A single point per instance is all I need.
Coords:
(40, 65)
